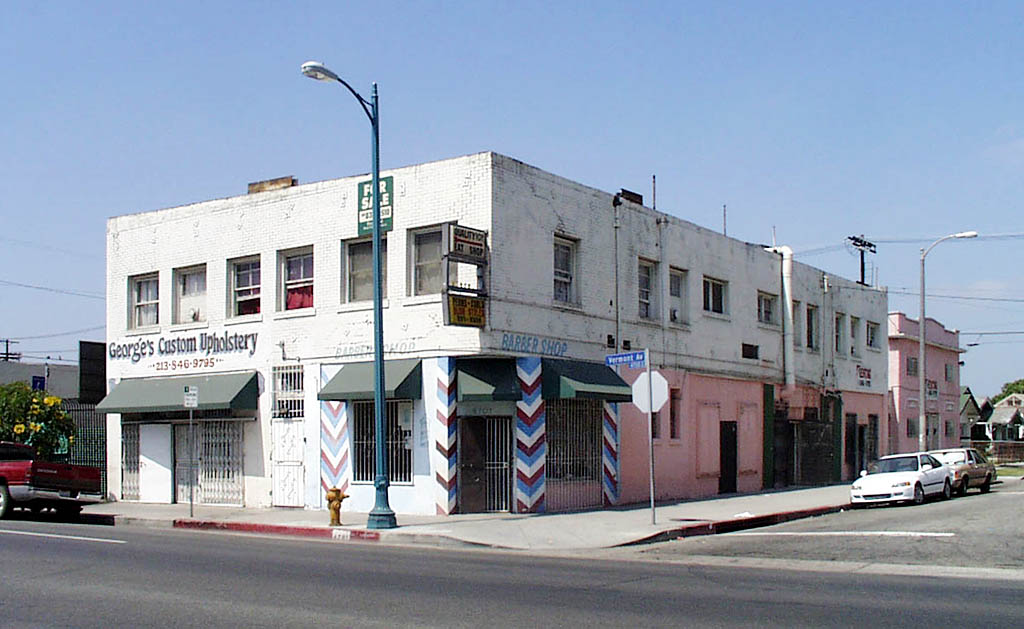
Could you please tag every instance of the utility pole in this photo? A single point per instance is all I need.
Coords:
(862, 245)
(7, 355)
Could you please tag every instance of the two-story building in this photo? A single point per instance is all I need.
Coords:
(942, 384)
(498, 398)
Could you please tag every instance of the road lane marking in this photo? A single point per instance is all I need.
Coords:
(74, 537)
(841, 534)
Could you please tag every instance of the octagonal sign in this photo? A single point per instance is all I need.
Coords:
(659, 395)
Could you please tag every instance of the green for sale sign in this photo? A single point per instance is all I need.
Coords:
(387, 193)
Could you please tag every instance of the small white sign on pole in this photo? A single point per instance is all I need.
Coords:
(191, 397)
(642, 392)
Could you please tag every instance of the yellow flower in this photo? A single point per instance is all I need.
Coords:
(71, 440)
(34, 427)
(19, 428)
(51, 400)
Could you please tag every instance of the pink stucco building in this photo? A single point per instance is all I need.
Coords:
(942, 384)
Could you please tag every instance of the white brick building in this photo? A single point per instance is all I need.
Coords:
(263, 302)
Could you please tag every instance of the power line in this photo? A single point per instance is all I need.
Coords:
(61, 291)
(56, 334)
(37, 245)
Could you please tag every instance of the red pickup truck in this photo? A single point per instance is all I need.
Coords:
(30, 483)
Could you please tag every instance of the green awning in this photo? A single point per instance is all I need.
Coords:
(237, 391)
(578, 379)
(486, 379)
(403, 380)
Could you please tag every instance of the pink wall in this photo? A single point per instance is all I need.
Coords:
(943, 348)
(688, 466)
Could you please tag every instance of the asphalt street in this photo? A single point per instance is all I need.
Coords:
(976, 531)
(75, 575)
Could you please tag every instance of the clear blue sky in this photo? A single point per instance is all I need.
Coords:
(820, 120)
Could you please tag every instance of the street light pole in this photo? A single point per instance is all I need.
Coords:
(381, 516)
(922, 417)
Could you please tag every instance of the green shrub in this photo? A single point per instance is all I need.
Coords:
(34, 418)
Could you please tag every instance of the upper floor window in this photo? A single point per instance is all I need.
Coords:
(647, 289)
(811, 327)
(145, 300)
(297, 287)
(950, 372)
(245, 286)
(677, 308)
(871, 334)
(190, 294)
(715, 295)
(854, 336)
(426, 262)
(767, 308)
(565, 271)
(359, 267)
(911, 365)
(840, 333)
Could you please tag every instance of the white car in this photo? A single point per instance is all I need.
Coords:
(902, 478)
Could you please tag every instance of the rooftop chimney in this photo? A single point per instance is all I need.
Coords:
(272, 184)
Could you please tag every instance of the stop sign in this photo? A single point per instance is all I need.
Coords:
(657, 396)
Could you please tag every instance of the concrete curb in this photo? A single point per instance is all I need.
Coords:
(398, 537)
(737, 524)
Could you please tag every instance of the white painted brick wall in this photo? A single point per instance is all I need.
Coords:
(523, 208)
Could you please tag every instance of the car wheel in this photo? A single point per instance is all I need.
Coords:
(987, 485)
(5, 501)
(947, 490)
(964, 484)
(918, 494)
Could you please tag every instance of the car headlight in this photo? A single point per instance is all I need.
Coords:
(904, 483)
(856, 487)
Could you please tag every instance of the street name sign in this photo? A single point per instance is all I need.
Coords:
(633, 360)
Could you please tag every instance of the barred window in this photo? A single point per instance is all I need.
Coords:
(288, 391)
(398, 430)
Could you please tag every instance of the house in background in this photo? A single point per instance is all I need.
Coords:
(942, 384)
(970, 413)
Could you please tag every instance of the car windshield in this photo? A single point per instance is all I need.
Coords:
(896, 464)
(950, 458)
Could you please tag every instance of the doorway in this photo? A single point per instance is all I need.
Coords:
(862, 450)
(783, 437)
(727, 457)
(155, 467)
(485, 464)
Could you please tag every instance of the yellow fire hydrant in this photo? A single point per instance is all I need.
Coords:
(334, 498)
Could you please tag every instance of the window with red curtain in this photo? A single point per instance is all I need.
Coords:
(298, 284)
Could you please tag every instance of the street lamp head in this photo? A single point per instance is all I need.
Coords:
(970, 234)
(317, 70)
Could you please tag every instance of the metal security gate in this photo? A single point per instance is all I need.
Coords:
(813, 452)
(217, 474)
(498, 463)
(574, 438)
(90, 446)
(129, 461)
(485, 464)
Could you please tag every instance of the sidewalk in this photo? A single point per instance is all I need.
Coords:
(551, 532)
